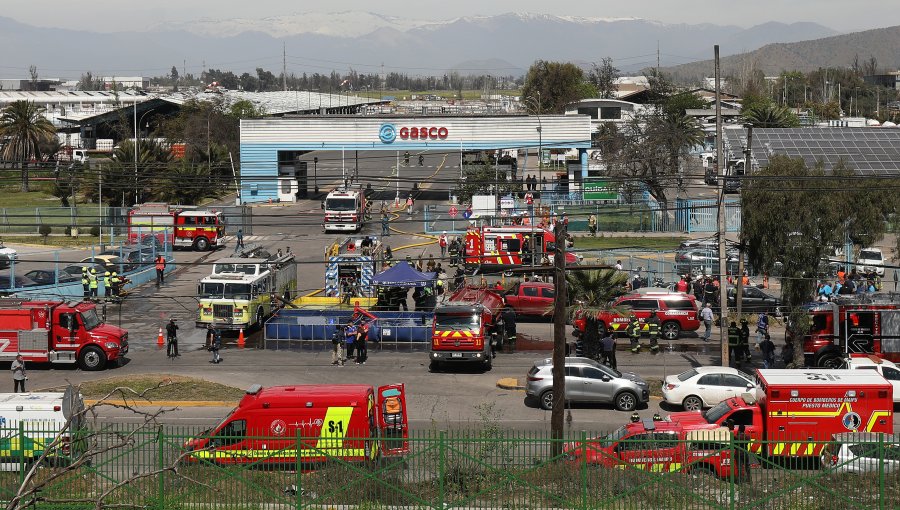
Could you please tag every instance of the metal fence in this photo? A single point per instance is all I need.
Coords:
(486, 468)
(111, 222)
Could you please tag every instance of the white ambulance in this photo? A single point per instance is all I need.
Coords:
(30, 422)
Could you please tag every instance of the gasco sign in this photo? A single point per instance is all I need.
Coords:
(388, 133)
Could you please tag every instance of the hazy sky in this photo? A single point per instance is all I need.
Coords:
(115, 15)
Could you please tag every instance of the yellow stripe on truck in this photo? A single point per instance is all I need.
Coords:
(334, 427)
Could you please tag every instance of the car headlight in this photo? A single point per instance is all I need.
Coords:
(111, 345)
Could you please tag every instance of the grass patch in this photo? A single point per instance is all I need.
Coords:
(163, 387)
(14, 197)
(82, 241)
(644, 243)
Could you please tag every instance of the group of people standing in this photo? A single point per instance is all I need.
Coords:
(111, 281)
(355, 337)
(849, 284)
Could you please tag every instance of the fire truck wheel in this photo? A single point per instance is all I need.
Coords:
(671, 330)
(201, 244)
(488, 363)
(546, 399)
(692, 403)
(92, 359)
(831, 360)
(626, 401)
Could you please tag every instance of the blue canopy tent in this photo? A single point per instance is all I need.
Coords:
(402, 274)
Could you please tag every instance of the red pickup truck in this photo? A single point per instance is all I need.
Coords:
(531, 298)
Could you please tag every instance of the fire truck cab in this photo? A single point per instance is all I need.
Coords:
(849, 326)
(345, 210)
(308, 424)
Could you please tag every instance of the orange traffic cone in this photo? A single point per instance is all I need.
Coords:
(241, 342)
(159, 339)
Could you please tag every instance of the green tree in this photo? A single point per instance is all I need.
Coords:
(173, 75)
(786, 221)
(124, 184)
(769, 115)
(550, 86)
(591, 292)
(183, 183)
(603, 78)
(25, 129)
(480, 180)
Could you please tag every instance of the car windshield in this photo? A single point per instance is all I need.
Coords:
(90, 319)
(211, 290)
(684, 376)
(611, 371)
(235, 268)
(870, 255)
(237, 291)
(457, 322)
(714, 414)
(616, 435)
(340, 204)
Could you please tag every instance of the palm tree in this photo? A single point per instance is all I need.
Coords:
(590, 292)
(123, 183)
(24, 126)
(770, 116)
(184, 183)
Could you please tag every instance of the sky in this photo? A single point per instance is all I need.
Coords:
(128, 15)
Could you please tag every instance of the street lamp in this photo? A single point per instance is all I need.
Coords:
(137, 146)
(540, 130)
(316, 174)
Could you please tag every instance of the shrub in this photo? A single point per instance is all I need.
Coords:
(95, 230)
(44, 231)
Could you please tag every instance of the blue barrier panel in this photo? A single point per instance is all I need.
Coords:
(313, 324)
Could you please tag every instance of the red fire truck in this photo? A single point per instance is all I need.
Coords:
(493, 249)
(659, 447)
(795, 412)
(345, 210)
(308, 424)
(197, 229)
(845, 327)
(58, 332)
(464, 327)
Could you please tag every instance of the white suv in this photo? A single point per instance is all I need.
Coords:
(870, 260)
(886, 368)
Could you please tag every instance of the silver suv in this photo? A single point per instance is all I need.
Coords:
(588, 381)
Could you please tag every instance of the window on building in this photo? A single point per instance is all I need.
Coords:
(610, 112)
(591, 112)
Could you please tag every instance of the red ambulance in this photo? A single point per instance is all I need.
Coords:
(308, 425)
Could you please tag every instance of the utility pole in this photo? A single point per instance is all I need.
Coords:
(284, 66)
(720, 161)
(559, 341)
(739, 285)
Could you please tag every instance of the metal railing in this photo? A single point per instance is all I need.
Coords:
(485, 468)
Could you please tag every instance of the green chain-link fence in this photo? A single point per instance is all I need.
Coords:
(123, 466)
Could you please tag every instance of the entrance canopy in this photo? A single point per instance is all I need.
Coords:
(403, 275)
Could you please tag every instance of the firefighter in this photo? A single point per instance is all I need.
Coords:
(744, 342)
(92, 283)
(116, 285)
(734, 338)
(85, 283)
(453, 250)
(107, 286)
(634, 334)
(653, 329)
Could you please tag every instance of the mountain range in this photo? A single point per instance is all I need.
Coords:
(315, 42)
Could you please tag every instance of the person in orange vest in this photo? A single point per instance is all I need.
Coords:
(160, 269)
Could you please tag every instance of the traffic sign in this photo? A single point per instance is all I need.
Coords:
(467, 213)
(453, 211)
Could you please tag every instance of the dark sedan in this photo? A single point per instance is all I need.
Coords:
(48, 277)
(754, 300)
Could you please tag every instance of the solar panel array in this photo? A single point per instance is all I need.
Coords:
(868, 151)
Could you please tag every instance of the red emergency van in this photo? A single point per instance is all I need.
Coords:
(794, 413)
(659, 447)
(308, 424)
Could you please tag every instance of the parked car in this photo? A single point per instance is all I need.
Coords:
(17, 283)
(677, 312)
(75, 269)
(49, 277)
(888, 369)
(701, 261)
(588, 381)
(754, 300)
(870, 260)
(531, 298)
(862, 452)
(109, 263)
(703, 387)
(7, 256)
(133, 257)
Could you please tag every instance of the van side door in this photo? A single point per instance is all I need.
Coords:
(392, 420)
